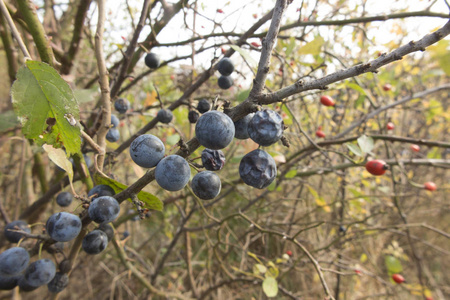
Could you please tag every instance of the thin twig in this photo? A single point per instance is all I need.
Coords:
(14, 31)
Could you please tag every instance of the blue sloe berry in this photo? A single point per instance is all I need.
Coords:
(258, 169)
(122, 105)
(213, 160)
(214, 130)
(266, 127)
(95, 242)
(58, 283)
(13, 261)
(165, 116)
(113, 135)
(206, 185)
(225, 82)
(147, 150)
(104, 209)
(63, 226)
(240, 127)
(64, 199)
(225, 66)
(14, 237)
(203, 106)
(101, 190)
(172, 173)
(152, 60)
(40, 272)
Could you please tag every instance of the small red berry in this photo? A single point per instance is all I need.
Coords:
(376, 167)
(172, 77)
(429, 298)
(415, 148)
(220, 11)
(327, 100)
(398, 278)
(255, 16)
(430, 186)
(289, 252)
(320, 134)
(387, 87)
(255, 44)
(358, 272)
(390, 126)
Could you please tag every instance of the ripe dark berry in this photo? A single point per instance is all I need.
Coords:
(40, 272)
(165, 116)
(63, 226)
(106, 228)
(241, 126)
(9, 282)
(203, 106)
(122, 105)
(193, 116)
(172, 173)
(266, 127)
(257, 169)
(104, 209)
(95, 242)
(13, 261)
(206, 185)
(101, 190)
(225, 82)
(214, 130)
(64, 199)
(114, 121)
(390, 126)
(152, 60)
(376, 167)
(430, 186)
(327, 100)
(113, 135)
(398, 278)
(58, 283)
(415, 148)
(213, 160)
(320, 134)
(225, 66)
(147, 150)
(12, 236)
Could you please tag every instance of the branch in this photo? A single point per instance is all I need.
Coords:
(399, 102)
(130, 51)
(28, 11)
(371, 66)
(442, 163)
(104, 83)
(14, 30)
(267, 48)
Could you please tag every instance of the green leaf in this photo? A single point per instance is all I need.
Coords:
(365, 143)
(270, 287)
(360, 101)
(173, 139)
(8, 120)
(150, 200)
(84, 95)
(291, 174)
(354, 149)
(312, 47)
(59, 157)
(356, 87)
(242, 96)
(46, 107)
(393, 264)
(246, 56)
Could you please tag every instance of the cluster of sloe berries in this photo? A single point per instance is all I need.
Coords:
(225, 67)
(15, 266)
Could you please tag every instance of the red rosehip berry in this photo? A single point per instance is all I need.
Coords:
(415, 148)
(320, 134)
(255, 44)
(327, 100)
(387, 87)
(220, 11)
(289, 252)
(398, 278)
(430, 186)
(358, 272)
(376, 167)
(255, 16)
(390, 126)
